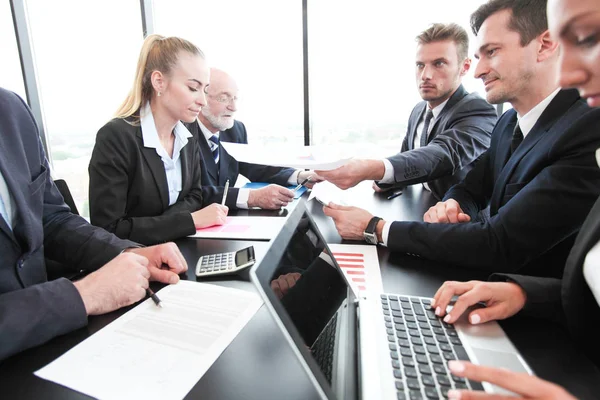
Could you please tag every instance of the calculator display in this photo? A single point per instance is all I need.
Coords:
(243, 256)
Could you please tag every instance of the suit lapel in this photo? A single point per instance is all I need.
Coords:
(157, 168)
(551, 122)
(457, 96)
(16, 191)
(413, 132)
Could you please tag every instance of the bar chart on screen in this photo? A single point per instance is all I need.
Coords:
(360, 265)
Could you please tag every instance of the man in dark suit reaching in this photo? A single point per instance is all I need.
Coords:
(539, 177)
(216, 124)
(446, 132)
(35, 223)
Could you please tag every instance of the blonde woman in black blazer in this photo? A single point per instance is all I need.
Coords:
(145, 168)
(573, 300)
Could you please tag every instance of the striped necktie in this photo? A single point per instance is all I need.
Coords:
(214, 147)
(425, 131)
(517, 138)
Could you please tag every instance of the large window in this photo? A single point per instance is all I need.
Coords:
(85, 53)
(361, 66)
(259, 43)
(11, 77)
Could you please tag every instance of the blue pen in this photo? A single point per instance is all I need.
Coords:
(394, 195)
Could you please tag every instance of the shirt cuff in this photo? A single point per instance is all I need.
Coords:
(293, 179)
(242, 199)
(385, 233)
(388, 175)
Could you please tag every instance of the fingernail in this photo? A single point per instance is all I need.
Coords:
(453, 394)
(438, 311)
(475, 319)
(456, 366)
(432, 303)
(174, 279)
(447, 318)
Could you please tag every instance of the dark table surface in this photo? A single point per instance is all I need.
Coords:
(259, 364)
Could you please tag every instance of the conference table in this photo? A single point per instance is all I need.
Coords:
(260, 364)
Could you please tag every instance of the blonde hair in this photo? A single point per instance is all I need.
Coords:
(158, 53)
(440, 32)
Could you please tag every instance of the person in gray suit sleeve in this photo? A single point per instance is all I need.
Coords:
(35, 223)
(446, 132)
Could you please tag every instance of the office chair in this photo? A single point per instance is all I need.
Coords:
(63, 188)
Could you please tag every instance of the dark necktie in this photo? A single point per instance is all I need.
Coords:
(428, 118)
(517, 138)
(214, 148)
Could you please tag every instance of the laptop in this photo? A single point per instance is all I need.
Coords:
(370, 346)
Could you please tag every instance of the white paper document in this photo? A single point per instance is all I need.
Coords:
(321, 157)
(326, 192)
(360, 265)
(157, 353)
(256, 228)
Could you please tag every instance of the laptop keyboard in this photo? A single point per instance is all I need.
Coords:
(421, 345)
(322, 348)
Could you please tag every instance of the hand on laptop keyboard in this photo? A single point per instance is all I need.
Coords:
(527, 386)
(501, 299)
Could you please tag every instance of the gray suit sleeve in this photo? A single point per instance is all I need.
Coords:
(465, 137)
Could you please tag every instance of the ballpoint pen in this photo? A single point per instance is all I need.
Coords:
(394, 195)
(154, 297)
(302, 184)
(225, 192)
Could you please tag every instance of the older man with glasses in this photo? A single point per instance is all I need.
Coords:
(216, 123)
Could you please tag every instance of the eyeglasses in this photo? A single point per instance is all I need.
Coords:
(225, 98)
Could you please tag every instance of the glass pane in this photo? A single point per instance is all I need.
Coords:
(361, 56)
(85, 53)
(11, 77)
(259, 43)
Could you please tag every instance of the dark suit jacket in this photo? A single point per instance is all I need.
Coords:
(538, 198)
(569, 300)
(229, 168)
(129, 194)
(460, 134)
(33, 310)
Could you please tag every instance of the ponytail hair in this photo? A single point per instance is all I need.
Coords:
(158, 53)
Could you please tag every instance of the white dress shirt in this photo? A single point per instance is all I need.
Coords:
(591, 271)
(388, 175)
(243, 194)
(172, 164)
(11, 211)
(526, 122)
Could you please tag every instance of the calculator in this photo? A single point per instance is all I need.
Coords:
(225, 263)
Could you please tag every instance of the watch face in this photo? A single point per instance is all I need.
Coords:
(370, 238)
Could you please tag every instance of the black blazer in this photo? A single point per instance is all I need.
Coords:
(129, 194)
(538, 198)
(33, 310)
(229, 168)
(570, 300)
(460, 134)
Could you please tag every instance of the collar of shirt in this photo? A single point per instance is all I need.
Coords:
(150, 135)
(206, 132)
(527, 121)
(438, 109)
(591, 272)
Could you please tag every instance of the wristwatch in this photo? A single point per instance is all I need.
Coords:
(370, 233)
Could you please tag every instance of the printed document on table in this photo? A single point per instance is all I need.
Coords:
(257, 228)
(157, 353)
(312, 157)
(360, 265)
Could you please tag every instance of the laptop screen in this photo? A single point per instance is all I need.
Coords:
(312, 303)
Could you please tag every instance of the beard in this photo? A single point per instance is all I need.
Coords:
(217, 121)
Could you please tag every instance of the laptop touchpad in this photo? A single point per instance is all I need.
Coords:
(498, 359)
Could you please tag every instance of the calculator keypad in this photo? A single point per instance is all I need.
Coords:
(217, 263)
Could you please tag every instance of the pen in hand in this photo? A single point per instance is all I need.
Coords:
(225, 192)
(394, 195)
(302, 184)
(154, 297)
